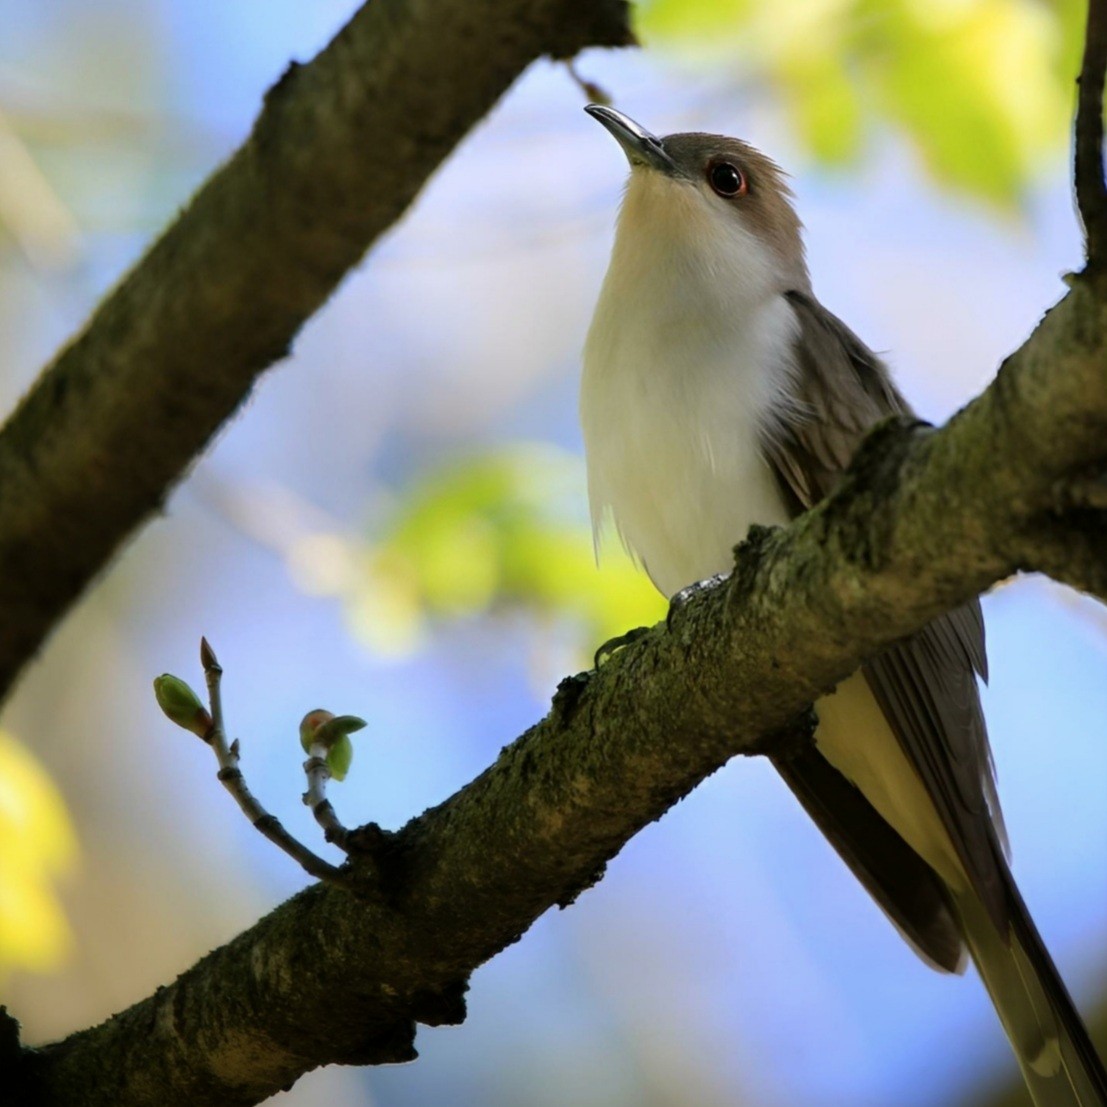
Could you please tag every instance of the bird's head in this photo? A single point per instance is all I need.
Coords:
(708, 202)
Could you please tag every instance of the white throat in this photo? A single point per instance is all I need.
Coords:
(687, 362)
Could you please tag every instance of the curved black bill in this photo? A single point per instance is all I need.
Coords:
(640, 147)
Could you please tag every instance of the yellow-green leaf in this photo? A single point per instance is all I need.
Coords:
(981, 88)
(503, 531)
(37, 844)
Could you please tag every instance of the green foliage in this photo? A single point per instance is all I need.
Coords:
(693, 18)
(37, 844)
(981, 88)
(496, 533)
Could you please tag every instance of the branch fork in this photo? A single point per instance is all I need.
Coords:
(326, 739)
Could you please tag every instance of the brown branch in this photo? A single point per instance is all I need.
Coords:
(925, 520)
(315, 798)
(1091, 190)
(340, 150)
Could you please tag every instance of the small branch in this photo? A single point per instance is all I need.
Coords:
(316, 798)
(1091, 190)
(230, 775)
(594, 93)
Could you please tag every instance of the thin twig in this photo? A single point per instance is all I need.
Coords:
(593, 92)
(1091, 190)
(316, 797)
(232, 779)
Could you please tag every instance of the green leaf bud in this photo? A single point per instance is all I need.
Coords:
(181, 705)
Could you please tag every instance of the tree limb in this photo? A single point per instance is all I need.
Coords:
(341, 148)
(924, 520)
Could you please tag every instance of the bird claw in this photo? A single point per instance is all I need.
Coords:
(613, 645)
(681, 599)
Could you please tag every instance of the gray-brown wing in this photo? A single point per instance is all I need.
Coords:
(842, 390)
(926, 684)
(908, 889)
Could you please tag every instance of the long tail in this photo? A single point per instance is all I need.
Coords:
(1058, 1061)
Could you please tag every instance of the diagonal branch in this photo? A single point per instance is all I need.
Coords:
(1091, 191)
(924, 520)
(341, 148)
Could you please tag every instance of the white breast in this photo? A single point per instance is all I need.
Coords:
(685, 363)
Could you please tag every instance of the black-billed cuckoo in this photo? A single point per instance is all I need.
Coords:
(718, 392)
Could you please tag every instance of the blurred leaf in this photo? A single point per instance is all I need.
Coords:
(973, 84)
(497, 532)
(826, 104)
(1070, 16)
(693, 18)
(36, 844)
(982, 88)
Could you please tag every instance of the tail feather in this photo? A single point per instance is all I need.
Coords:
(1058, 1061)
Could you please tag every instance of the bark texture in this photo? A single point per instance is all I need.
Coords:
(340, 150)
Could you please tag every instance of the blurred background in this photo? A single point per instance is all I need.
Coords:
(395, 526)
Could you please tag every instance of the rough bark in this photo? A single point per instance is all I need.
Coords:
(341, 148)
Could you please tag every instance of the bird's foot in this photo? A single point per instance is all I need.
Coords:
(681, 598)
(612, 645)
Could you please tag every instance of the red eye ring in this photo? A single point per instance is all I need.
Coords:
(727, 180)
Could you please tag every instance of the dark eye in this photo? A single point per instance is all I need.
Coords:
(726, 179)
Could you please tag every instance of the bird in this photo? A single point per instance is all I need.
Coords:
(718, 392)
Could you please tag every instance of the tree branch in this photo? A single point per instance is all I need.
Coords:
(924, 520)
(1091, 191)
(341, 148)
